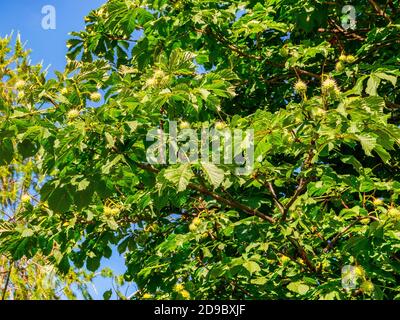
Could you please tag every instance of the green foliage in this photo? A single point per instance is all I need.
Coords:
(324, 192)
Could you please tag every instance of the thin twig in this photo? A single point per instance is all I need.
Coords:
(297, 193)
(303, 254)
(7, 283)
(340, 234)
(346, 33)
(274, 196)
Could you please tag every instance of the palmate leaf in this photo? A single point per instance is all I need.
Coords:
(126, 17)
(181, 62)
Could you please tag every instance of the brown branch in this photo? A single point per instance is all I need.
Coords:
(303, 254)
(52, 101)
(275, 197)
(297, 193)
(287, 255)
(379, 11)
(348, 34)
(231, 281)
(307, 73)
(344, 204)
(332, 243)
(392, 105)
(231, 46)
(230, 203)
(7, 283)
(334, 30)
(302, 183)
(241, 53)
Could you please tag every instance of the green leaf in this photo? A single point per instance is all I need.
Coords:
(179, 176)
(259, 281)
(112, 224)
(110, 140)
(252, 266)
(372, 85)
(349, 159)
(214, 174)
(110, 164)
(368, 143)
(93, 264)
(383, 154)
(27, 233)
(83, 184)
(133, 125)
(60, 200)
(298, 287)
(6, 152)
(385, 76)
(107, 295)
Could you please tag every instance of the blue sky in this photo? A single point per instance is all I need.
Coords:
(25, 17)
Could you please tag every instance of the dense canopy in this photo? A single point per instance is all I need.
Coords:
(318, 87)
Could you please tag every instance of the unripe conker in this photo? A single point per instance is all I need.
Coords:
(20, 84)
(300, 86)
(220, 125)
(184, 125)
(95, 96)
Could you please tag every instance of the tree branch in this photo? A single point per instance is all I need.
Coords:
(339, 30)
(230, 203)
(231, 46)
(297, 193)
(346, 33)
(332, 243)
(303, 254)
(276, 199)
(241, 53)
(302, 183)
(379, 11)
(7, 283)
(307, 73)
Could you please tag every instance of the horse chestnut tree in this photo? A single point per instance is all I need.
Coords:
(323, 192)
